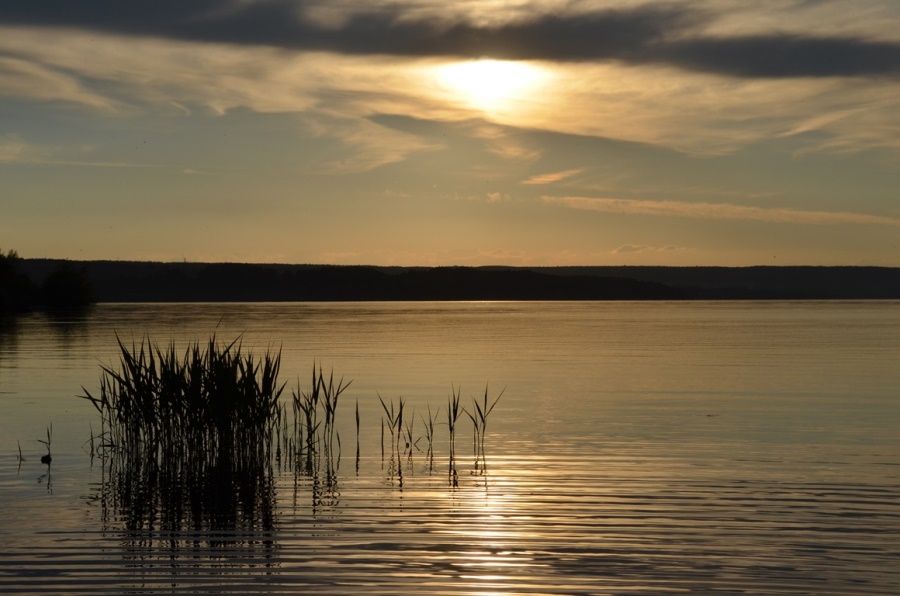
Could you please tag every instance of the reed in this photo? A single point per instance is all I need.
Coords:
(315, 411)
(45, 459)
(394, 423)
(429, 423)
(408, 425)
(454, 411)
(479, 417)
(357, 438)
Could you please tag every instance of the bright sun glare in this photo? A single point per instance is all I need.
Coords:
(491, 84)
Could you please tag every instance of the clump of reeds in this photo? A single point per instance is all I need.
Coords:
(187, 439)
(211, 404)
(394, 425)
(429, 436)
(314, 417)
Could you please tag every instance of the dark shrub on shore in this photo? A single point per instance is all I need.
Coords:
(17, 292)
(66, 287)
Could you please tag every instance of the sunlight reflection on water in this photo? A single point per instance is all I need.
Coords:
(640, 449)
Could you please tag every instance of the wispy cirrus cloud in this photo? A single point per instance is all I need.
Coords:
(369, 145)
(21, 76)
(15, 150)
(11, 148)
(645, 248)
(551, 177)
(332, 96)
(720, 211)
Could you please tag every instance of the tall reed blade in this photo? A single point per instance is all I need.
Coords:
(479, 422)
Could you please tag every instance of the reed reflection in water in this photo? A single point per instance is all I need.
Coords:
(175, 518)
(298, 523)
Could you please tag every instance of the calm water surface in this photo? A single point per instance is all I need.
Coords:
(638, 448)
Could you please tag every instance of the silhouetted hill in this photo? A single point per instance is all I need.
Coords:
(762, 282)
(120, 281)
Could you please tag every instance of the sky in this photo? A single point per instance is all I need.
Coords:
(416, 132)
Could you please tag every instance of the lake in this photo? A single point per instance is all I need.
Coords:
(637, 448)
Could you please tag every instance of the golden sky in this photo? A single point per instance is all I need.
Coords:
(710, 132)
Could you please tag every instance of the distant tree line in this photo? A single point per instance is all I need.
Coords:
(65, 287)
(230, 282)
(66, 282)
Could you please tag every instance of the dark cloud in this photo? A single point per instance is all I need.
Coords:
(658, 34)
(279, 23)
(784, 56)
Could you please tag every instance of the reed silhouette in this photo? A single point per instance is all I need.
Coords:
(454, 411)
(479, 416)
(394, 418)
(314, 448)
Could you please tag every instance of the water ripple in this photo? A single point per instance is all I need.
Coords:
(525, 527)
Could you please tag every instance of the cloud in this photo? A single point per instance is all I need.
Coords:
(333, 96)
(196, 172)
(721, 211)
(632, 248)
(370, 145)
(503, 142)
(513, 149)
(870, 124)
(646, 33)
(551, 177)
(395, 194)
(390, 29)
(782, 55)
(22, 77)
(705, 114)
(691, 112)
(12, 148)
(643, 248)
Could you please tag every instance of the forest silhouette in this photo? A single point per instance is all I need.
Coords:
(124, 281)
(64, 285)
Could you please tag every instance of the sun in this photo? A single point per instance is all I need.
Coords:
(491, 85)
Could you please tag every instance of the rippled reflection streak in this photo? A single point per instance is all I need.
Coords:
(493, 560)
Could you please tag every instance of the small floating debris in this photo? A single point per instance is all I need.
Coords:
(46, 459)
